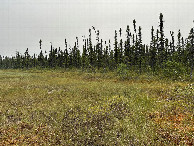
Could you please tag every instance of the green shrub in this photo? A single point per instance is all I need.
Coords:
(122, 71)
(173, 70)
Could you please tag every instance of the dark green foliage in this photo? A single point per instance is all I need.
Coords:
(191, 50)
(140, 50)
(153, 50)
(174, 70)
(162, 53)
(116, 52)
(161, 50)
(122, 71)
(128, 53)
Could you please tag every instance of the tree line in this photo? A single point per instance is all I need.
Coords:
(160, 54)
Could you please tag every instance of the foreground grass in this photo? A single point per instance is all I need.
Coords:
(75, 108)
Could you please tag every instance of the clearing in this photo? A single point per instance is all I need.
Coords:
(75, 108)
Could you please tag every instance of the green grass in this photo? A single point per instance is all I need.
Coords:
(74, 108)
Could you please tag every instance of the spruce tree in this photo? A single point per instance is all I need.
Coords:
(116, 53)
(26, 59)
(161, 51)
(179, 48)
(120, 50)
(191, 51)
(66, 55)
(90, 49)
(127, 51)
(153, 50)
(140, 50)
(134, 25)
(40, 42)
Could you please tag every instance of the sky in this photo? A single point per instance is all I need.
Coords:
(24, 22)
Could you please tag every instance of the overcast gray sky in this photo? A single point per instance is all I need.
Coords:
(24, 22)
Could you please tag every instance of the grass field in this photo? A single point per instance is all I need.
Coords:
(76, 108)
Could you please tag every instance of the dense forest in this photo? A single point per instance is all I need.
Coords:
(162, 54)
